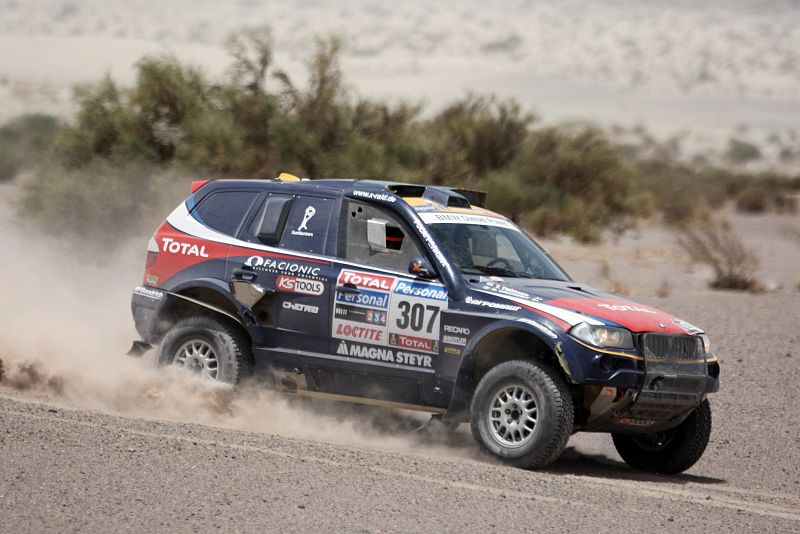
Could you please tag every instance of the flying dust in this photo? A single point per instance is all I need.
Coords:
(65, 325)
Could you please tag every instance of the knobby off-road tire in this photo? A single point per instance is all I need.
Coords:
(210, 347)
(528, 386)
(669, 452)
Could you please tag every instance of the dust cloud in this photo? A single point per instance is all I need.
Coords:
(65, 325)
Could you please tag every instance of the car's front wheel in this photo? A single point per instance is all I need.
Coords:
(522, 413)
(208, 347)
(671, 451)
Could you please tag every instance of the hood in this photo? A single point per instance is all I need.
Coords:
(582, 303)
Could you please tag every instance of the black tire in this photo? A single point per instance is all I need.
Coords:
(231, 346)
(554, 414)
(672, 451)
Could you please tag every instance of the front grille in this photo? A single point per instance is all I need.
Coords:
(671, 347)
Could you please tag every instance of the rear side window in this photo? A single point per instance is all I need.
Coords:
(224, 211)
(307, 224)
(401, 246)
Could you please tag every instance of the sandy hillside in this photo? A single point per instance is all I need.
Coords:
(708, 68)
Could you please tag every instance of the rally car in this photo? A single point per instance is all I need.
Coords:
(416, 297)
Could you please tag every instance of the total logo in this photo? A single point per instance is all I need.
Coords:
(292, 284)
(366, 280)
(187, 249)
(414, 343)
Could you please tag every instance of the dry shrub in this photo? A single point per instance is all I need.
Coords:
(716, 245)
(765, 197)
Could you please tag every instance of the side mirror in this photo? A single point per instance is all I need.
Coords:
(420, 268)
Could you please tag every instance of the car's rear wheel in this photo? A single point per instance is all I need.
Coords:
(522, 413)
(208, 347)
(671, 451)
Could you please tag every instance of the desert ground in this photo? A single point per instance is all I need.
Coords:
(94, 440)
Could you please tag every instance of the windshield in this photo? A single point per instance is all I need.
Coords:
(504, 251)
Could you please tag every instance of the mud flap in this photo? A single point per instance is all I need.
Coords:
(676, 374)
(139, 348)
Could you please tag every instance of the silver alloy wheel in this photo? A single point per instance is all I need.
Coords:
(512, 416)
(199, 357)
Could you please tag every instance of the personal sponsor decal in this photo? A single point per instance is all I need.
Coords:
(366, 280)
(546, 331)
(625, 307)
(493, 305)
(304, 286)
(453, 350)
(187, 249)
(420, 290)
(154, 294)
(443, 217)
(296, 306)
(302, 229)
(358, 332)
(372, 299)
(279, 266)
(361, 315)
(383, 354)
(454, 340)
(383, 197)
(413, 343)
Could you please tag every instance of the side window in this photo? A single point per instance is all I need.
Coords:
(307, 224)
(224, 211)
(354, 244)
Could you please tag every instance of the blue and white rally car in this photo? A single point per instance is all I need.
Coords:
(415, 297)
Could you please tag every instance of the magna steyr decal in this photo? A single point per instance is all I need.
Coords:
(382, 354)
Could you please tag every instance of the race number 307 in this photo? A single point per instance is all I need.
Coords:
(416, 316)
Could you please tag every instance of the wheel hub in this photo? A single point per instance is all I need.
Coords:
(512, 416)
(198, 357)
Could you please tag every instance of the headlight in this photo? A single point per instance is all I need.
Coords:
(706, 343)
(603, 336)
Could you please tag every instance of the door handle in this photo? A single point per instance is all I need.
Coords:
(348, 289)
(245, 275)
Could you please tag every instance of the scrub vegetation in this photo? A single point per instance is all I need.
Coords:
(130, 149)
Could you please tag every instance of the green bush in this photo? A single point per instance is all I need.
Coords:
(24, 141)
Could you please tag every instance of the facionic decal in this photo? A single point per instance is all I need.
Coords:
(272, 265)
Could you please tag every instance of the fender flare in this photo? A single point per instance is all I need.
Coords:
(465, 379)
(176, 294)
